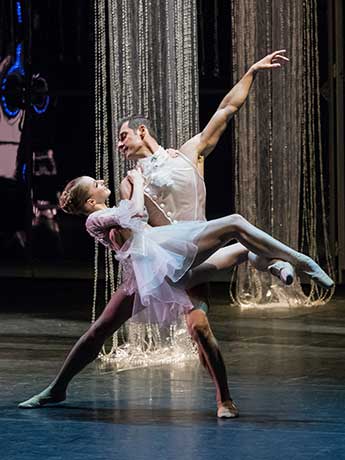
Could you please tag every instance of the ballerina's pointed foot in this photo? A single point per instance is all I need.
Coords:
(284, 271)
(44, 398)
(227, 409)
(309, 267)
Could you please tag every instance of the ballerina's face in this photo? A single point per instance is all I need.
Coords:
(97, 191)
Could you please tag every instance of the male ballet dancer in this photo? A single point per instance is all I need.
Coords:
(175, 191)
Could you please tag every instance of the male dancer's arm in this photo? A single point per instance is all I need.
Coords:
(204, 142)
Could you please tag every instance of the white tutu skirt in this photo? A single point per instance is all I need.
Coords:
(152, 261)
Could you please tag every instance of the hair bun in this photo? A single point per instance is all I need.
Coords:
(65, 202)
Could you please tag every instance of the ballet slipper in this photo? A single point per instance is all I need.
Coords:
(44, 398)
(227, 409)
(307, 266)
(283, 270)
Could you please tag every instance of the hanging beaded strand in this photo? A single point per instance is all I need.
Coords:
(295, 24)
(125, 98)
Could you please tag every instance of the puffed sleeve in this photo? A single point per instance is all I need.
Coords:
(99, 223)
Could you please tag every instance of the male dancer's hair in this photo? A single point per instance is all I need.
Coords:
(134, 121)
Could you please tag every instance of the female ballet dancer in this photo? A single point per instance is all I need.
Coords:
(158, 264)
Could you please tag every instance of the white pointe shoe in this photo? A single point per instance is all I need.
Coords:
(307, 266)
(284, 271)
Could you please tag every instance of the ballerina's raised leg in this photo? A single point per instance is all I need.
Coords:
(219, 231)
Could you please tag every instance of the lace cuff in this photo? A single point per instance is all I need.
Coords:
(100, 222)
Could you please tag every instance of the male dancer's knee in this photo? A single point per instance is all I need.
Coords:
(200, 331)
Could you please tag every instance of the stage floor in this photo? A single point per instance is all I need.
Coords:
(286, 373)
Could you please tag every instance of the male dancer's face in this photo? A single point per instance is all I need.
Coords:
(130, 143)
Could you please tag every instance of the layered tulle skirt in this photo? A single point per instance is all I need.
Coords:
(154, 263)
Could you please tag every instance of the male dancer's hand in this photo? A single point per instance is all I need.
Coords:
(203, 143)
(271, 61)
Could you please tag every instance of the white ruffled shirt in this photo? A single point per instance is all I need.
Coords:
(153, 171)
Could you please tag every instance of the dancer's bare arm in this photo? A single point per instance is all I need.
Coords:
(126, 189)
(137, 180)
(204, 142)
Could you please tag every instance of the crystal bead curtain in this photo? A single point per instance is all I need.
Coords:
(278, 152)
(145, 62)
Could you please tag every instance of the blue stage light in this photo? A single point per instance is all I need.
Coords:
(18, 68)
(24, 172)
(9, 113)
(19, 13)
(42, 109)
(18, 63)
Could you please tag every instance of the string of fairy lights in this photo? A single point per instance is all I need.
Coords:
(130, 40)
(146, 62)
(279, 173)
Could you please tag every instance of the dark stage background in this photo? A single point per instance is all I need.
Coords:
(50, 244)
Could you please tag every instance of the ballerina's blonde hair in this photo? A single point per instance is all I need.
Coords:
(74, 196)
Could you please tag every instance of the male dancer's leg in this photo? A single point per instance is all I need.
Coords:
(199, 327)
(219, 231)
(200, 330)
(117, 311)
(211, 358)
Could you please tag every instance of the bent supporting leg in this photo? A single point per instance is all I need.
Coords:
(212, 359)
(117, 311)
